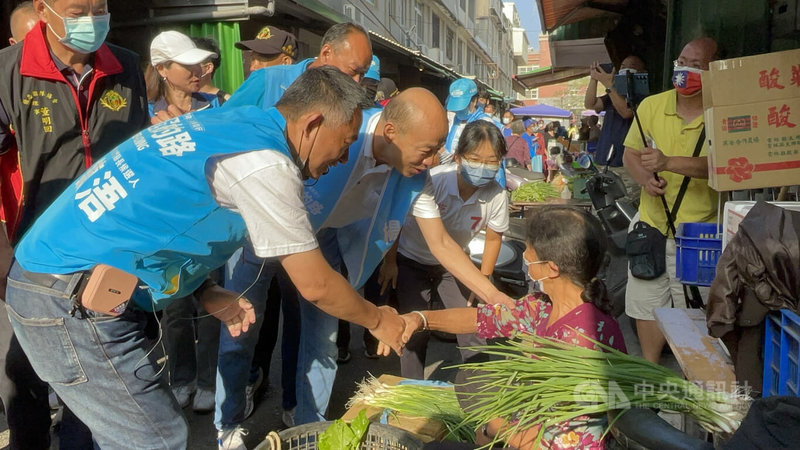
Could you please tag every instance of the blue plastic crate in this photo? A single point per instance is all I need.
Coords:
(781, 354)
(698, 245)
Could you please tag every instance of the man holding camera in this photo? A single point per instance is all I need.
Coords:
(618, 117)
(672, 123)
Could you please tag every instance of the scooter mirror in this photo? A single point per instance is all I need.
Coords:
(584, 160)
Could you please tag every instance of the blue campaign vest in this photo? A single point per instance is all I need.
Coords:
(264, 87)
(364, 243)
(147, 208)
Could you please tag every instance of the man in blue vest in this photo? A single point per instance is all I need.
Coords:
(347, 47)
(169, 206)
(360, 209)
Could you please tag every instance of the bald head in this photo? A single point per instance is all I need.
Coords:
(699, 52)
(416, 107)
(23, 18)
(414, 128)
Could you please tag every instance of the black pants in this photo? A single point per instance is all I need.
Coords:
(372, 292)
(417, 283)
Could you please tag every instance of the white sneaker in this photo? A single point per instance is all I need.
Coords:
(231, 439)
(288, 417)
(250, 393)
(203, 400)
(183, 394)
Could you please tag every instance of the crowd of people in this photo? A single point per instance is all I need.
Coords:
(314, 179)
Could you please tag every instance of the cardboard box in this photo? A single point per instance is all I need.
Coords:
(751, 79)
(752, 116)
(754, 145)
(735, 213)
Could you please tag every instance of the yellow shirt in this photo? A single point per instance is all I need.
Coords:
(674, 137)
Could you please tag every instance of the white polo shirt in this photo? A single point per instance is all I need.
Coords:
(266, 189)
(363, 192)
(487, 207)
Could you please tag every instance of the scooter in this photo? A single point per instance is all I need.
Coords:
(608, 195)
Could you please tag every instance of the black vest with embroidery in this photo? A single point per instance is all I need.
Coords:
(45, 119)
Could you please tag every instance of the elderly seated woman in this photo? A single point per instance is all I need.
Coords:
(565, 249)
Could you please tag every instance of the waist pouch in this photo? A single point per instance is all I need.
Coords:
(646, 248)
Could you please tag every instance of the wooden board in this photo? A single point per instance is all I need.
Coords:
(696, 351)
(426, 430)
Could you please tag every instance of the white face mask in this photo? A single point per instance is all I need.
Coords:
(506, 120)
(526, 265)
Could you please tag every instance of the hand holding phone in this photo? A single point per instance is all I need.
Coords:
(607, 67)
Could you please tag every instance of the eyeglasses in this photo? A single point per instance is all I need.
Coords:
(494, 163)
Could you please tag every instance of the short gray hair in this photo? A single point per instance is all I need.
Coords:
(337, 34)
(326, 89)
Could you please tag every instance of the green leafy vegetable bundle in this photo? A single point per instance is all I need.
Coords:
(542, 382)
(415, 400)
(341, 436)
(538, 191)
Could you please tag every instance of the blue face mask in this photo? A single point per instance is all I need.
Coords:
(83, 34)
(478, 174)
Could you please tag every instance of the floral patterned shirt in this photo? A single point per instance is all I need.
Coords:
(530, 315)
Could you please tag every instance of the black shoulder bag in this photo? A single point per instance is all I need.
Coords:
(646, 246)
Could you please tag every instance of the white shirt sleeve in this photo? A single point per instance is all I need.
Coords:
(266, 189)
(497, 213)
(425, 204)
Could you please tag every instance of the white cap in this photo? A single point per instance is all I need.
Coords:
(176, 47)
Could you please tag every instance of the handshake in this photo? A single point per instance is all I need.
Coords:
(394, 330)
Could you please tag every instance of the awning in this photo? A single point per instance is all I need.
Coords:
(549, 75)
(555, 13)
(540, 111)
(495, 94)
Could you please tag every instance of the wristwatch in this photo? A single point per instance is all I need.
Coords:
(608, 90)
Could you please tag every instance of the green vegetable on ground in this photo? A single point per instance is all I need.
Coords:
(544, 382)
(341, 436)
(538, 191)
(414, 400)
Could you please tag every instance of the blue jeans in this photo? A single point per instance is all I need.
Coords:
(236, 354)
(101, 366)
(316, 363)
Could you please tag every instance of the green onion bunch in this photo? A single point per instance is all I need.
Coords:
(543, 382)
(538, 191)
(422, 401)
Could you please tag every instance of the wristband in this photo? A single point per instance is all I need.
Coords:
(424, 320)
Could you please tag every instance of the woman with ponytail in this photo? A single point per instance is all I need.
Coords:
(565, 249)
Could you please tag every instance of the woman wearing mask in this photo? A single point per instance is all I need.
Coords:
(178, 69)
(508, 117)
(573, 307)
(469, 201)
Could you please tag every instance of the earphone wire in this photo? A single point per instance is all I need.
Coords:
(160, 340)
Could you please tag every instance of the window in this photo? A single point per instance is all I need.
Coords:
(418, 22)
(448, 44)
(434, 30)
(469, 61)
(460, 58)
(391, 6)
(405, 14)
(463, 4)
